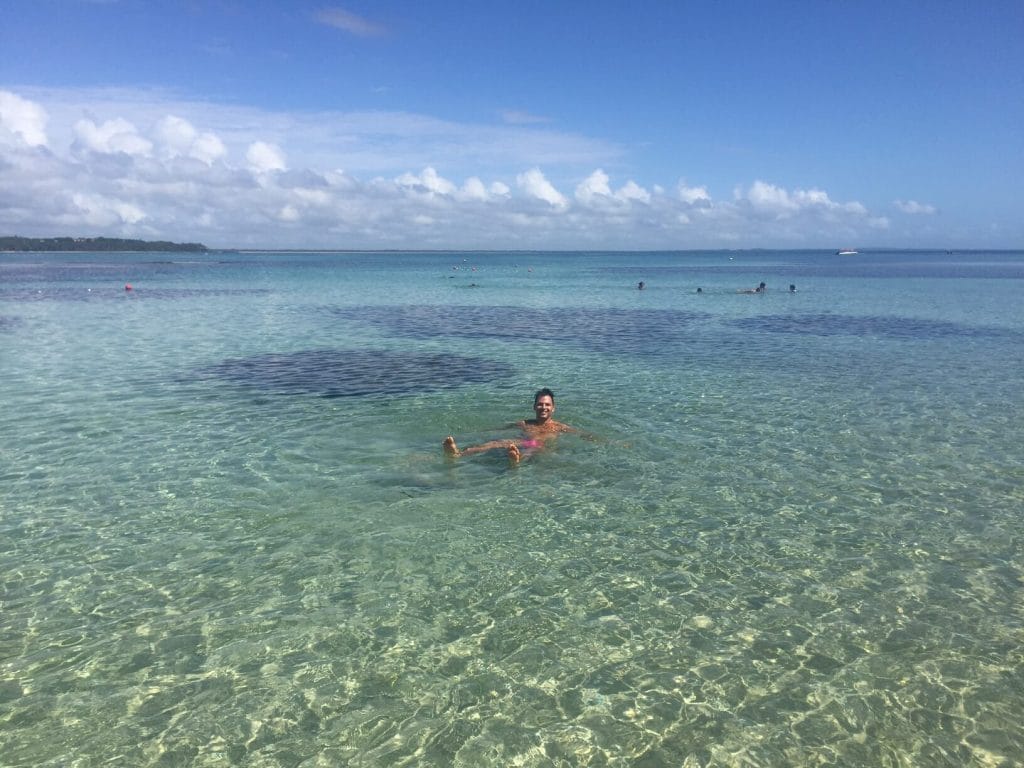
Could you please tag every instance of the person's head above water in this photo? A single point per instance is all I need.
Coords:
(544, 404)
(542, 393)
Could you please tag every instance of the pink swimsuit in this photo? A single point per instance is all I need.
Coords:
(531, 443)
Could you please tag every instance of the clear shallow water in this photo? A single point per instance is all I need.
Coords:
(228, 537)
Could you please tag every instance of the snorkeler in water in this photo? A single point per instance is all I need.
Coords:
(536, 432)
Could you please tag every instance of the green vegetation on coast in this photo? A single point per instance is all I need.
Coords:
(93, 244)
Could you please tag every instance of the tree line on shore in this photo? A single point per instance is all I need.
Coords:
(14, 243)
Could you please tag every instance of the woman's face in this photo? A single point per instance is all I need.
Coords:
(544, 407)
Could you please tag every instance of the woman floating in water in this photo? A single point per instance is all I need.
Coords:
(760, 289)
(536, 432)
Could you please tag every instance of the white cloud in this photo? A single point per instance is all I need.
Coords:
(593, 188)
(100, 211)
(814, 197)
(633, 191)
(595, 191)
(363, 143)
(349, 22)
(428, 181)
(473, 189)
(914, 208)
(22, 118)
(534, 184)
(149, 164)
(208, 148)
(111, 137)
(693, 195)
(770, 199)
(176, 137)
(264, 157)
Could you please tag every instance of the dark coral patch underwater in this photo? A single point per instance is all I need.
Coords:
(645, 331)
(354, 373)
(888, 326)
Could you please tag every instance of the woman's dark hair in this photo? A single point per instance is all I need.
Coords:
(541, 393)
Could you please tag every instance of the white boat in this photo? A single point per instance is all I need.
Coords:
(846, 252)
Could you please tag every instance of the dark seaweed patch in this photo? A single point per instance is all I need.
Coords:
(871, 325)
(352, 373)
(646, 331)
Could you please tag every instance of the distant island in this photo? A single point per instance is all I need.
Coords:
(93, 244)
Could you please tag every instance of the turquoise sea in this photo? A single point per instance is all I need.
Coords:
(228, 536)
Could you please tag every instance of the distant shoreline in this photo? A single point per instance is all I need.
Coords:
(17, 244)
(93, 244)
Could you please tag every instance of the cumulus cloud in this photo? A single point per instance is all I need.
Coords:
(633, 191)
(596, 191)
(349, 22)
(208, 148)
(767, 197)
(428, 181)
(776, 201)
(914, 208)
(110, 137)
(152, 166)
(535, 185)
(473, 189)
(176, 137)
(22, 118)
(99, 211)
(264, 157)
(175, 134)
(693, 195)
(594, 187)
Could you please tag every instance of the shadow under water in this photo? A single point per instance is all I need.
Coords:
(352, 373)
(646, 331)
(889, 326)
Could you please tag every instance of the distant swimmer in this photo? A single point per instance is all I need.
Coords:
(536, 433)
(759, 289)
(792, 288)
(700, 290)
(640, 286)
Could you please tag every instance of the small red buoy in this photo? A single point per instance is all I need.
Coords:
(127, 286)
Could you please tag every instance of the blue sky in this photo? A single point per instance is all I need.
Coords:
(668, 125)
